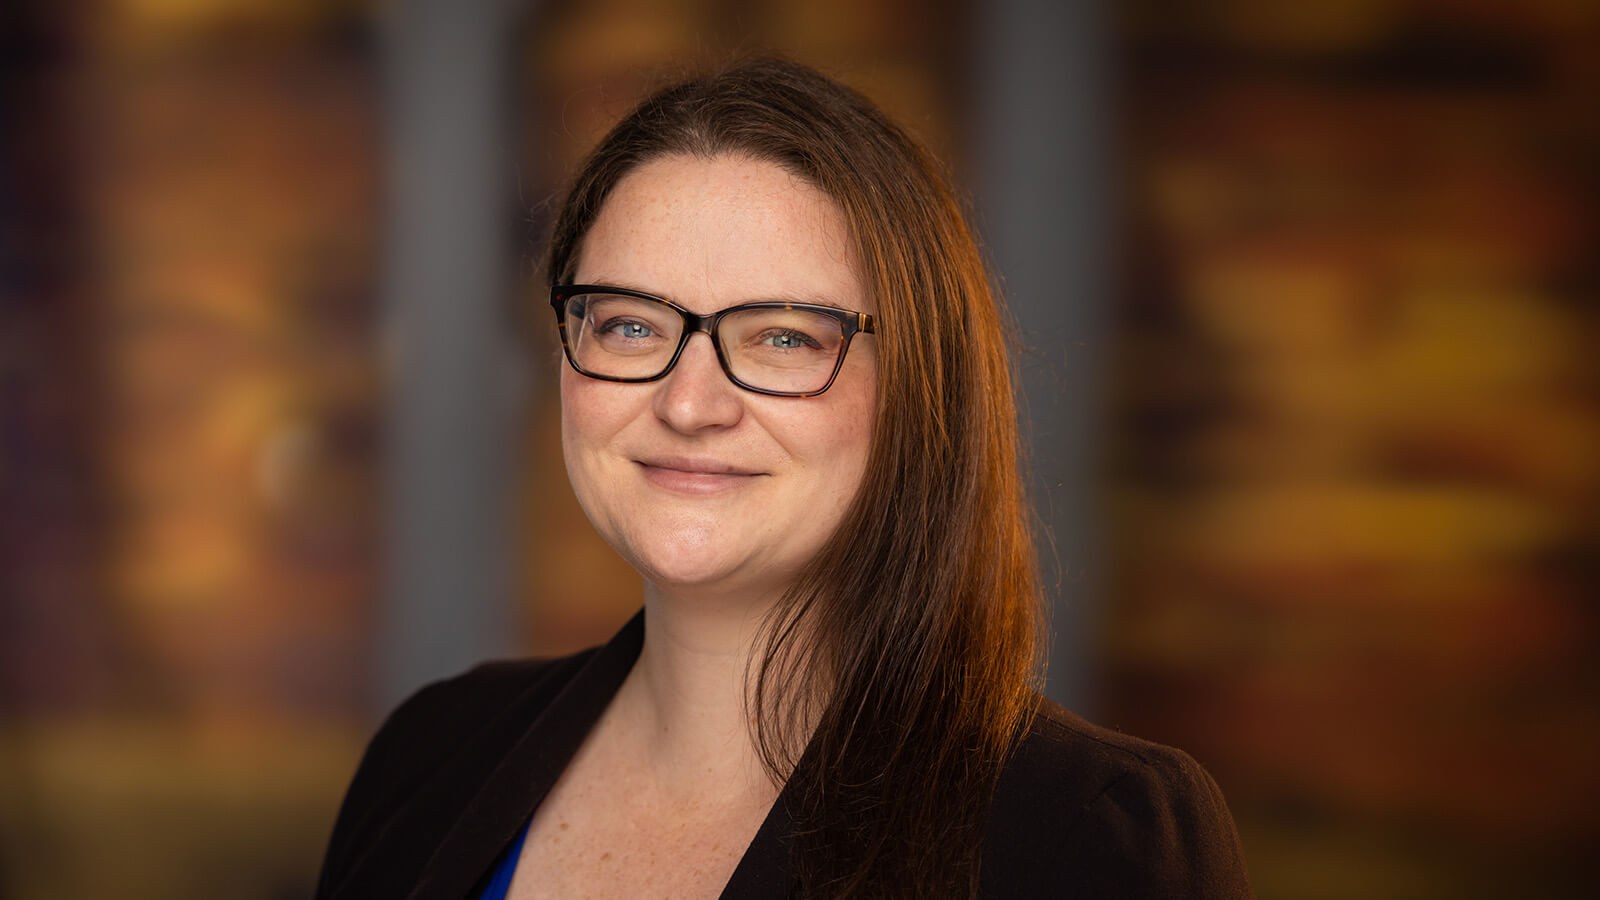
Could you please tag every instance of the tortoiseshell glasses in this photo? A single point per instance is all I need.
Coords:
(770, 347)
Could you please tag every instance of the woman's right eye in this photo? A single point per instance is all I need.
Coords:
(626, 328)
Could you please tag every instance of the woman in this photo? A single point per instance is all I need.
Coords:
(787, 404)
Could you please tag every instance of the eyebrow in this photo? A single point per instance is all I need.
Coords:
(810, 299)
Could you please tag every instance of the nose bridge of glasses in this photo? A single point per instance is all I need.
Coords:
(687, 362)
(694, 322)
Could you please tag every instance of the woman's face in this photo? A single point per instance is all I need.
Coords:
(695, 481)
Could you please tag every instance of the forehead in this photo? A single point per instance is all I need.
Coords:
(712, 232)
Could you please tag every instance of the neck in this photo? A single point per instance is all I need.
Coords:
(686, 695)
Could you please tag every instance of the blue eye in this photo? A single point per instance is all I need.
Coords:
(789, 340)
(629, 329)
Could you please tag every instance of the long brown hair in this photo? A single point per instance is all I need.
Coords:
(907, 651)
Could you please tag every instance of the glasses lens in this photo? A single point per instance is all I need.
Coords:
(616, 336)
(777, 349)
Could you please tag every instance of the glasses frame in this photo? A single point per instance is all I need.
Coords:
(850, 322)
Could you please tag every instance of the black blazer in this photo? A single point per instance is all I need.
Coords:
(453, 774)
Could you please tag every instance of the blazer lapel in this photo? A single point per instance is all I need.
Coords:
(478, 802)
(764, 873)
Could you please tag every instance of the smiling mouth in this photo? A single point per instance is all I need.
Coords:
(695, 477)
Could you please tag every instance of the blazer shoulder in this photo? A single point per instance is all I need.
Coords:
(424, 733)
(1082, 810)
(435, 719)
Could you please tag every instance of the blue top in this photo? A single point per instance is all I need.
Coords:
(500, 879)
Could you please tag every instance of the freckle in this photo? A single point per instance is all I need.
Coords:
(605, 856)
(563, 826)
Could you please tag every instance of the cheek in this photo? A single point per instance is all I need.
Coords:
(862, 403)
(572, 425)
(591, 415)
(590, 409)
(848, 434)
(571, 402)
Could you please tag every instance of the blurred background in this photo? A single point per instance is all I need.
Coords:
(1306, 295)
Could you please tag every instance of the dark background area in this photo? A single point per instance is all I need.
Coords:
(1307, 313)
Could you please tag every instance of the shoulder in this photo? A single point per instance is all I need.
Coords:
(425, 730)
(475, 695)
(1082, 810)
(424, 734)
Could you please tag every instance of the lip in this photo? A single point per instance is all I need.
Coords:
(687, 475)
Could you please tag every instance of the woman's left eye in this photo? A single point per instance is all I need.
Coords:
(634, 330)
(789, 340)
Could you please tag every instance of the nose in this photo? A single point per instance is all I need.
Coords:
(696, 395)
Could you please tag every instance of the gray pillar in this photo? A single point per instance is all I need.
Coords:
(1045, 211)
(453, 369)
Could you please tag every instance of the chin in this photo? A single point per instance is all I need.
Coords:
(674, 554)
(670, 570)
(705, 551)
